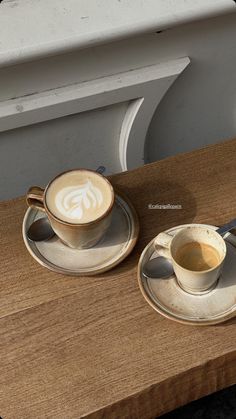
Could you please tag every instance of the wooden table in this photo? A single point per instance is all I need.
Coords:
(92, 347)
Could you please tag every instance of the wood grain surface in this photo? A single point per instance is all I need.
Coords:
(91, 347)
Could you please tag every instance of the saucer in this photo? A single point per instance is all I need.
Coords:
(170, 300)
(116, 244)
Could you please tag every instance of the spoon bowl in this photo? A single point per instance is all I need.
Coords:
(40, 230)
(158, 267)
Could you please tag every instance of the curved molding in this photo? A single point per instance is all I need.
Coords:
(126, 130)
(142, 88)
(80, 97)
(138, 117)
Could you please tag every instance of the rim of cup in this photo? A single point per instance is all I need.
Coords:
(108, 210)
(197, 226)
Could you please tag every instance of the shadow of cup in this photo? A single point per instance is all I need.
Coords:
(160, 205)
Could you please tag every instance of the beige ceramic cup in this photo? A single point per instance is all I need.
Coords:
(74, 235)
(194, 282)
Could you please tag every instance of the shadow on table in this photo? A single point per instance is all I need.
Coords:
(154, 220)
(161, 205)
(227, 323)
(220, 405)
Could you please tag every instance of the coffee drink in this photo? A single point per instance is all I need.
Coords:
(78, 204)
(79, 196)
(196, 256)
(197, 253)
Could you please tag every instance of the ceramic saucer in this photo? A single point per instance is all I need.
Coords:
(168, 299)
(115, 246)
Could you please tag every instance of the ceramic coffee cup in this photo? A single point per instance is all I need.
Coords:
(197, 254)
(78, 204)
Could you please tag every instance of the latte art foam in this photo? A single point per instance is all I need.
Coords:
(73, 201)
(79, 196)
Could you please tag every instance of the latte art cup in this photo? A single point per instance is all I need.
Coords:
(194, 282)
(78, 204)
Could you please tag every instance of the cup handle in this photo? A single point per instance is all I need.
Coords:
(162, 244)
(34, 197)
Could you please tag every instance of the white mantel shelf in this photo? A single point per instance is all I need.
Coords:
(32, 29)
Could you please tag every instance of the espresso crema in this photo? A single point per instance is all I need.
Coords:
(196, 256)
(79, 196)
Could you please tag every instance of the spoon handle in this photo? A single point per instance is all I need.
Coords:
(101, 170)
(226, 227)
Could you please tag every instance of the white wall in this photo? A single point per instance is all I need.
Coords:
(200, 107)
(33, 155)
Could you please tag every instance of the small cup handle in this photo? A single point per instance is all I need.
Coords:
(34, 197)
(162, 244)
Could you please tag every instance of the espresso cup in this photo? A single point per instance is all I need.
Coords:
(197, 253)
(78, 204)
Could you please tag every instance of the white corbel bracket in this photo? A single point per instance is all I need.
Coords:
(143, 88)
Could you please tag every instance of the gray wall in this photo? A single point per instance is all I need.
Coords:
(33, 155)
(200, 107)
